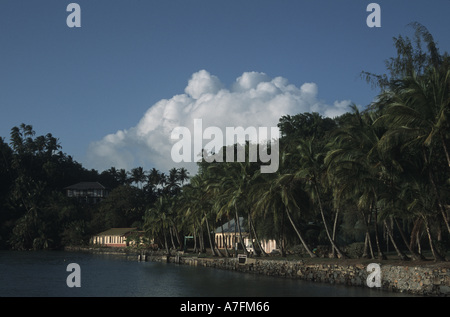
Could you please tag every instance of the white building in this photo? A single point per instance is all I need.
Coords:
(230, 236)
(114, 237)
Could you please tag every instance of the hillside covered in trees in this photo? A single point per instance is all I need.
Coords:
(378, 178)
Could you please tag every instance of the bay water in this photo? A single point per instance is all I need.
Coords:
(44, 274)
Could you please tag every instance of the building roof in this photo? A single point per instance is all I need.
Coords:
(116, 232)
(86, 186)
(230, 226)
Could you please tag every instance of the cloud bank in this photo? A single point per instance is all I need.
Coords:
(253, 100)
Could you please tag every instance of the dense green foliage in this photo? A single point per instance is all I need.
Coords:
(372, 180)
(34, 210)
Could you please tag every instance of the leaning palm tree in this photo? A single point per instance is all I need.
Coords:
(236, 183)
(285, 195)
(200, 205)
(422, 203)
(235, 180)
(311, 173)
(192, 217)
(356, 165)
(220, 205)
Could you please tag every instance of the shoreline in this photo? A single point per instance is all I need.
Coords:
(422, 278)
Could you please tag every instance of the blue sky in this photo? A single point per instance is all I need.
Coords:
(93, 87)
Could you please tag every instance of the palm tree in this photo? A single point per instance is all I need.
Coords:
(188, 219)
(122, 177)
(138, 176)
(212, 182)
(183, 175)
(154, 177)
(113, 172)
(21, 139)
(420, 202)
(200, 205)
(355, 164)
(417, 114)
(285, 194)
(235, 181)
(172, 183)
(191, 216)
(418, 109)
(154, 182)
(157, 220)
(311, 173)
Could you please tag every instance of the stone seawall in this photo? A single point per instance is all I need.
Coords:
(419, 280)
(424, 280)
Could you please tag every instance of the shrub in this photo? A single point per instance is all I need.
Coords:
(355, 250)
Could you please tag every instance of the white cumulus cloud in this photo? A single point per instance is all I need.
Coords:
(253, 100)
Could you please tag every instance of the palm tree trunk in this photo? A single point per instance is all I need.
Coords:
(171, 237)
(381, 255)
(416, 256)
(436, 255)
(201, 240)
(445, 148)
(256, 236)
(311, 254)
(333, 253)
(225, 242)
(216, 247)
(368, 247)
(282, 245)
(415, 237)
(400, 254)
(211, 243)
(166, 245)
(325, 223)
(367, 240)
(419, 245)
(436, 192)
(240, 231)
(441, 206)
(282, 239)
(177, 235)
(195, 238)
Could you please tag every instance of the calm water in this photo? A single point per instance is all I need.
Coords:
(44, 274)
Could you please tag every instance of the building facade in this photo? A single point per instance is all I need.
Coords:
(88, 192)
(228, 236)
(114, 237)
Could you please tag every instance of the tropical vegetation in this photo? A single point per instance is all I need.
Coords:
(375, 180)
